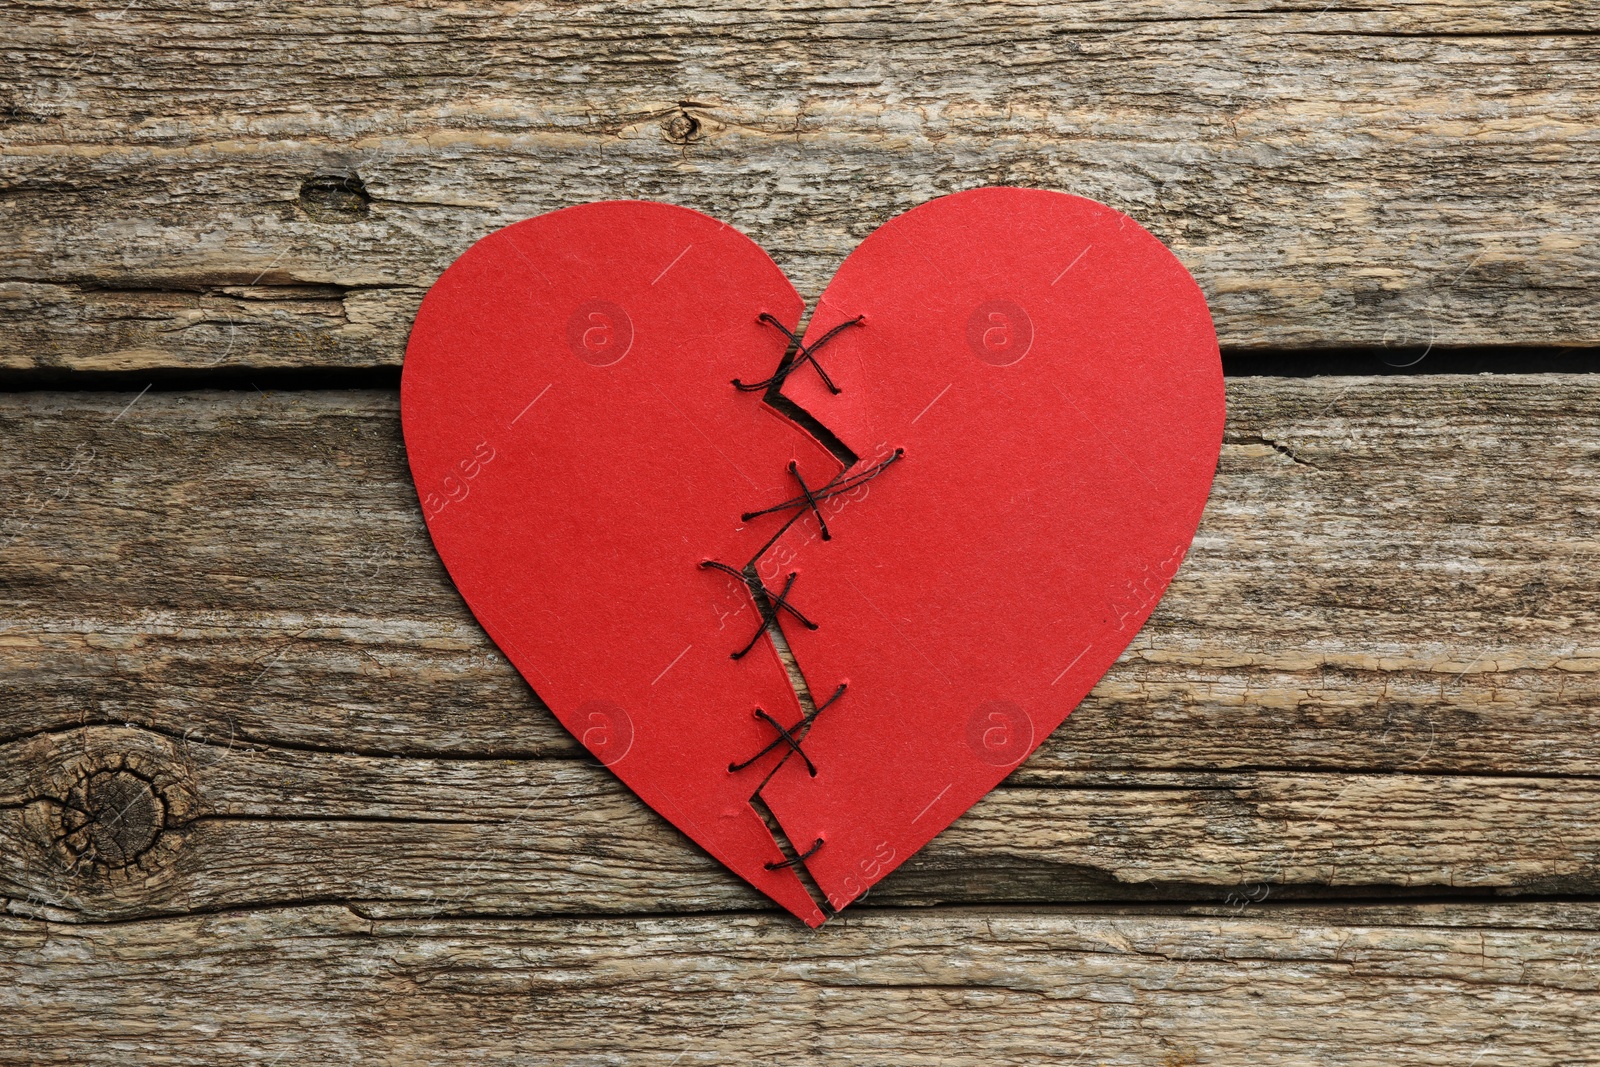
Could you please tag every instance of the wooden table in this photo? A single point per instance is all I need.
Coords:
(268, 794)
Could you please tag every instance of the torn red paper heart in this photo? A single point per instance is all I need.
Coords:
(1009, 411)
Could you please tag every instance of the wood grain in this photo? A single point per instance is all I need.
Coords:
(191, 189)
(195, 827)
(1376, 673)
(1294, 986)
(1391, 574)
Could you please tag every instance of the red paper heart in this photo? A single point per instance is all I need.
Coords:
(1038, 372)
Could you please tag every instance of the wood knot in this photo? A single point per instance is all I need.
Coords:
(109, 809)
(112, 817)
(335, 197)
(682, 128)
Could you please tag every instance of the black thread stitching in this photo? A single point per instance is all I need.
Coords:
(811, 501)
(786, 737)
(807, 854)
(767, 604)
(802, 356)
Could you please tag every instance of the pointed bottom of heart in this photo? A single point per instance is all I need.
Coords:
(816, 850)
(747, 836)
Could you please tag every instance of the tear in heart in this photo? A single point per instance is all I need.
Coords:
(955, 499)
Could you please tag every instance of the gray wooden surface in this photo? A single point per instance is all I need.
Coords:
(1463, 984)
(181, 181)
(268, 794)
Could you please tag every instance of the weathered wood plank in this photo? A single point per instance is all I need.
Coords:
(178, 182)
(118, 822)
(1391, 575)
(1296, 987)
(1394, 584)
